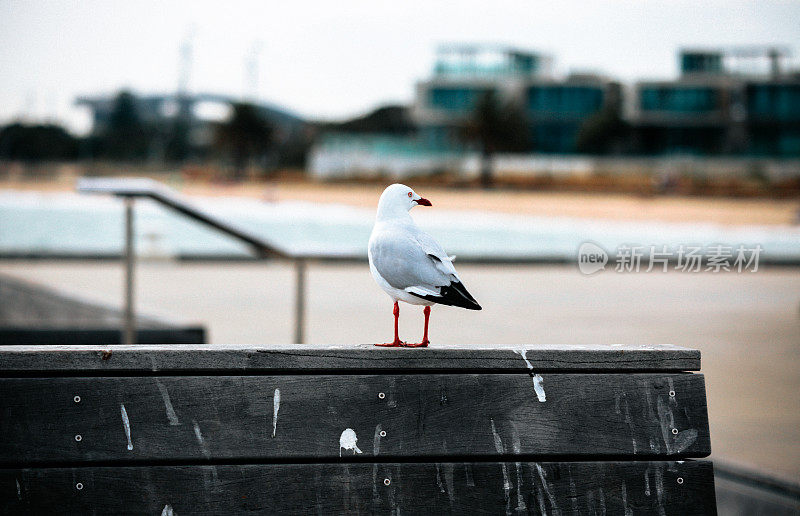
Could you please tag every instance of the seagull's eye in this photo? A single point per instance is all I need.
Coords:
(409, 194)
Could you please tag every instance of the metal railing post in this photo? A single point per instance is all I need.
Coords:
(129, 332)
(130, 188)
(300, 300)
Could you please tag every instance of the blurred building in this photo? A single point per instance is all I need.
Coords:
(368, 156)
(554, 108)
(198, 113)
(737, 110)
(736, 102)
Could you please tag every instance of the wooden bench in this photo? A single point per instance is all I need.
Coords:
(208, 429)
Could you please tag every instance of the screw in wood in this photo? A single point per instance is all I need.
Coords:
(674, 431)
(381, 395)
(680, 480)
(671, 394)
(383, 433)
(76, 399)
(386, 481)
(78, 486)
(78, 438)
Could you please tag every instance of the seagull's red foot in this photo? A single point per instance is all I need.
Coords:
(394, 344)
(397, 342)
(423, 344)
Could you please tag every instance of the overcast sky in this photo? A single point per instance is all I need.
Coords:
(333, 59)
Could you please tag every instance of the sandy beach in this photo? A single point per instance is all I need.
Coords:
(747, 326)
(608, 206)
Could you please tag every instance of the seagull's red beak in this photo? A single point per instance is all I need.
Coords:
(424, 202)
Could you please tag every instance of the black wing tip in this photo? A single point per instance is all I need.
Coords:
(454, 294)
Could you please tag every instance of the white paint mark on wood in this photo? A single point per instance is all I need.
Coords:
(450, 481)
(376, 441)
(439, 479)
(524, 354)
(684, 440)
(667, 421)
(537, 379)
(200, 440)
(276, 405)
(516, 445)
(167, 511)
(540, 500)
(521, 505)
(647, 481)
(468, 475)
(547, 490)
(539, 388)
(171, 416)
(628, 510)
(19, 490)
(602, 501)
(348, 441)
(659, 478)
(573, 491)
(126, 424)
(498, 445)
(197, 433)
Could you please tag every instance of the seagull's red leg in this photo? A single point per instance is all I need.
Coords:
(397, 341)
(425, 341)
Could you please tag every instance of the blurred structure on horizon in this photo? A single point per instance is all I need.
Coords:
(726, 101)
(183, 125)
(734, 106)
(554, 109)
(486, 110)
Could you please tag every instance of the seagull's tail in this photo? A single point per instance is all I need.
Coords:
(454, 294)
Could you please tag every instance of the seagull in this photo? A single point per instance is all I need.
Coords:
(408, 264)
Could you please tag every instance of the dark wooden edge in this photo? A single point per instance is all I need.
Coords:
(294, 359)
(636, 487)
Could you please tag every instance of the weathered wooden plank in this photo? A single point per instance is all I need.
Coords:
(290, 417)
(664, 488)
(365, 357)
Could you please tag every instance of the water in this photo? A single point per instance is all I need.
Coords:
(70, 223)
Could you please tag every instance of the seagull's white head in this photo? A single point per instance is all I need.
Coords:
(398, 199)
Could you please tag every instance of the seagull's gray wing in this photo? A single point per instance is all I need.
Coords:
(435, 252)
(403, 262)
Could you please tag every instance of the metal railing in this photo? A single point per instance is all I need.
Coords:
(131, 188)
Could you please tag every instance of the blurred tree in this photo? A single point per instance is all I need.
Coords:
(37, 142)
(127, 136)
(495, 127)
(602, 133)
(178, 146)
(246, 135)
